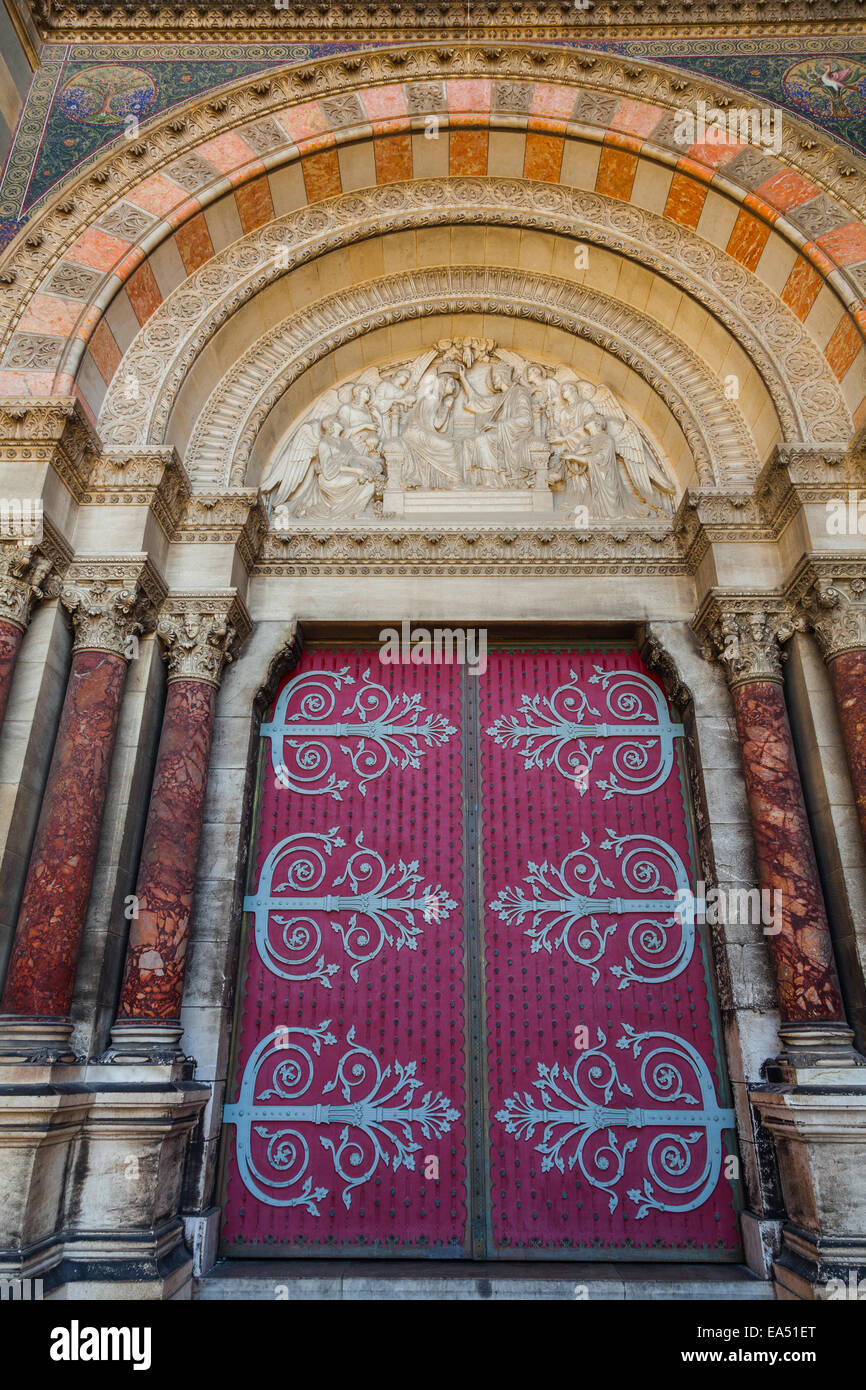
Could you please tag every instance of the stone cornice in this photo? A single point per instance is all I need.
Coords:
(151, 21)
(744, 630)
(829, 592)
(432, 549)
(237, 517)
(201, 632)
(52, 430)
(150, 477)
(798, 473)
(111, 599)
(709, 515)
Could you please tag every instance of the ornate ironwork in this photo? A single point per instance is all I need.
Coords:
(580, 1126)
(560, 898)
(555, 732)
(377, 1124)
(389, 729)
(378, 912)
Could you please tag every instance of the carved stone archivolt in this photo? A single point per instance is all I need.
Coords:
(805, 393)
(232, 417)
(201, 633)
(84, 199)
(475, 420)
(111, 601)
(745, 632)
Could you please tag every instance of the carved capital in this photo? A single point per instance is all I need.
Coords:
(201, 633)
(830, 596)
(23, 572)
(745, 633)
(111, 602)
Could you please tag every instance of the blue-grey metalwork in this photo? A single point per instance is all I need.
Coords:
(566, 732)
(379, 1123)
(380, 905)
(561, 903)
(580, 1128)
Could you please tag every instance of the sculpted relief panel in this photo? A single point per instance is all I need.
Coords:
(467, 424)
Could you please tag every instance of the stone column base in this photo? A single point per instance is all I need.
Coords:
(817, 1054)
(30, 1038)
(820, 1139)
(122, 1130)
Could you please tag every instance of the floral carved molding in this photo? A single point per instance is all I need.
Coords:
(86, 197)
(805, 393)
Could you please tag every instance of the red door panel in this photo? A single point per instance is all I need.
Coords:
(476, 1016)
(349, 1080)
(606, 1128)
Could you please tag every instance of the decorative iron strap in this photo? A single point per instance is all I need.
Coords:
(389, 729)
(377, 1124)
(574, 1108)
(556, 732)
(556, 904)
(378, 912)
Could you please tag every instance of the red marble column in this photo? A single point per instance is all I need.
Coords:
(848, 677)
(156, 955)
(10, 641)
(808, 988)
(45, 950)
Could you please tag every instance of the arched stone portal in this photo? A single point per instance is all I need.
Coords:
(478, 328)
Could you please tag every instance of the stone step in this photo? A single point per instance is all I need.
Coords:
(282, 1280)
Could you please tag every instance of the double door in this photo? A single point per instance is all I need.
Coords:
(476, 1012)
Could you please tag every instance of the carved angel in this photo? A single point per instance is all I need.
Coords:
(646, 474)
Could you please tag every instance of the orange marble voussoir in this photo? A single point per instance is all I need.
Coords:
(467, 152)
(685, 200)
(322, 175)
(543, 157)
(748, 239)
(254, 203)
(393, 155)
(104, 351)
(143, 293)
(194, 243)
(844, 345)
(801, 287)
(616, 171)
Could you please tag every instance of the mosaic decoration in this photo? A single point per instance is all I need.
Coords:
(374, 910)
(106, 94)
(827, 89)
(53, 141)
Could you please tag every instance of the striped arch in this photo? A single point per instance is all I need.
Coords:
(92, 269)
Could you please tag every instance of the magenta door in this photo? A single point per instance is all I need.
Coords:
(476, 1015)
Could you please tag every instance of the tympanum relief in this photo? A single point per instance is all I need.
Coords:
(467, 425)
